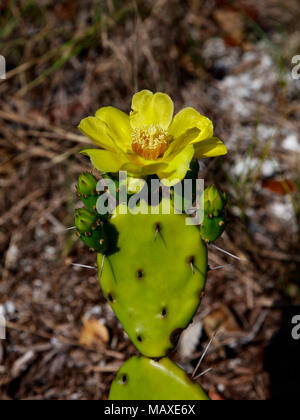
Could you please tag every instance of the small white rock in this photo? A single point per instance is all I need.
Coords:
(10, 307)
(221, 388)
(269, 168)
(283, 210)
(291, 142)
(96, 311)
(244, 165)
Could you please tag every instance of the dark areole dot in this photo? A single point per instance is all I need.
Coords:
(140, 274)
(158, 227)
(139, 338)
(191, 260)
(164, 312)
(124, 379)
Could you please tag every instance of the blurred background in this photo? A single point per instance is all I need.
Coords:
(231, 60)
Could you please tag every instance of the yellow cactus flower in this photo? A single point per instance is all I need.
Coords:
(149, 140)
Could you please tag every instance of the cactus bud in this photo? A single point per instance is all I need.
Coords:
(213, 224)
(91, 233)
(215, 200)
(86, 188)
(84, 220)
(87, 183)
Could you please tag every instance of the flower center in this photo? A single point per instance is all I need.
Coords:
(150, 142)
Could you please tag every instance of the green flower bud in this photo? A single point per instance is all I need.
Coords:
(87, 184)
(84, 220)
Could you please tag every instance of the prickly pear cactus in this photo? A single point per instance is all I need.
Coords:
(155, 281)
(141, 378)
(213, 224)
(152, 264)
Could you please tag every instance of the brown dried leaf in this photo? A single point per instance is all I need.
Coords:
(280, 187)
(66, 10)
(94, 334)
(232, 24)
(214, 396)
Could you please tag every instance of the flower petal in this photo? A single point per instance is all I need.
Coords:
(177, 167)
(118, 125)
(210, 148)
(189, 118)
(149, 108)
(182, 141)
(105, 160)
(146, 169)
(96, 130)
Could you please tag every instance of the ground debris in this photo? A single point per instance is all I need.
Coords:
(232, 63)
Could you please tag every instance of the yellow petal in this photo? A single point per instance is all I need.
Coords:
(189, 118)
(149, 108)
(177, 167)
(181, 142)
(118, 125)
(96, 130)
(154, 168)
(104, 160)
(144, 170)
(210, 148)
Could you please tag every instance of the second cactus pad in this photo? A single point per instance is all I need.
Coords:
(145, 379)
(155, 281)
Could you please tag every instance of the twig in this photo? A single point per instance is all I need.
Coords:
(43, 124)
(19, 207)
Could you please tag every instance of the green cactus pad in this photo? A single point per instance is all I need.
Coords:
(91, 230)
(155, 281)
(213, 224)
(145, 379)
